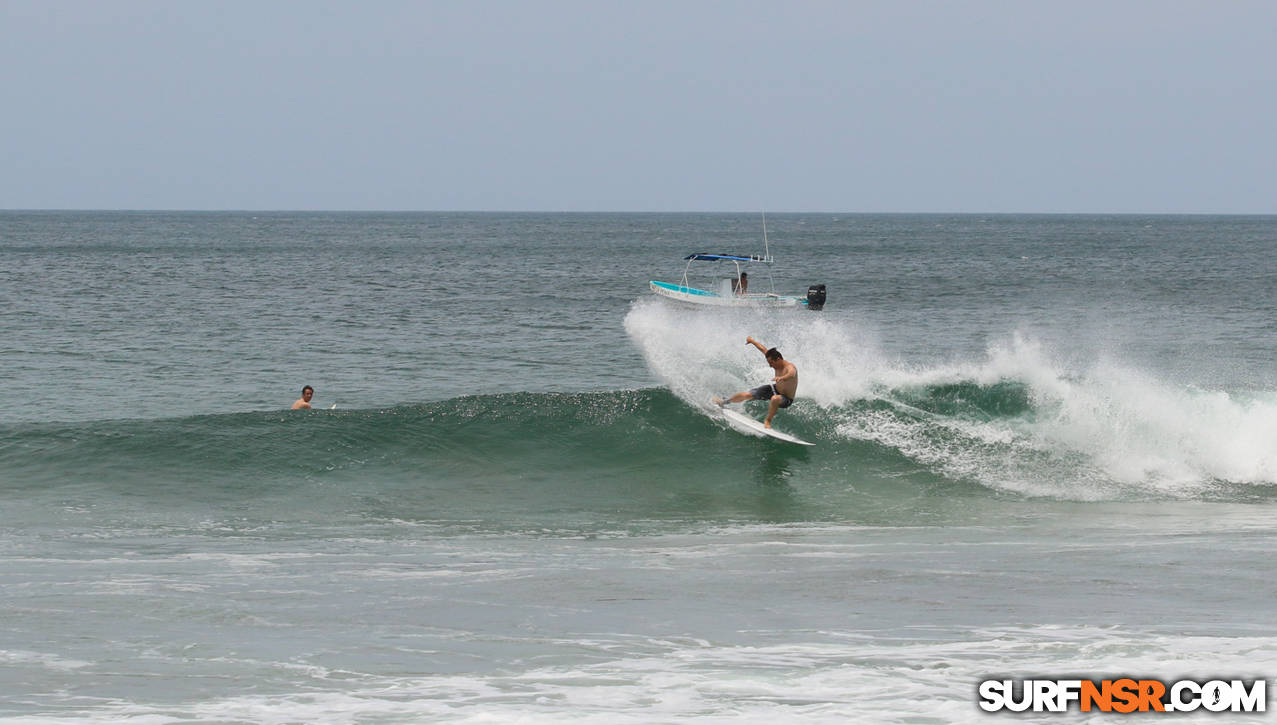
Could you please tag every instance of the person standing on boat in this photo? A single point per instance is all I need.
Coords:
(782, 390)
(739, 286)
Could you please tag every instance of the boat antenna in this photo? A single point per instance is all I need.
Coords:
(766, 250)
(767, 256)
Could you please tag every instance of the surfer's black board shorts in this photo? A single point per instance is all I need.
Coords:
(765, 392)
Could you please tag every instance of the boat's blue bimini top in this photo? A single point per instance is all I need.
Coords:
(702, 257)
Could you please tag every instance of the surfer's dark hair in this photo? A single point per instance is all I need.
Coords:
(307, 387)
(774, 354)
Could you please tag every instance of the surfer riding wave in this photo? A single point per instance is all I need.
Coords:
(780, 392)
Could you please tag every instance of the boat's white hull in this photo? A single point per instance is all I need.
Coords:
(705, 298)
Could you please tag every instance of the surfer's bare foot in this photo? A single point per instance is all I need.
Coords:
(767, 423)
(719, 401)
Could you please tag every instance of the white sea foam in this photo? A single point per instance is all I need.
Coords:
(833, 677)
(12, 658)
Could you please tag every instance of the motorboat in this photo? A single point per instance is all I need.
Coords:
(733, 290)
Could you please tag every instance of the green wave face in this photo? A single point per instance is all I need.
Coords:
(615, 460)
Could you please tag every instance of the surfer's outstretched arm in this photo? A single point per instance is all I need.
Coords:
(761, 347)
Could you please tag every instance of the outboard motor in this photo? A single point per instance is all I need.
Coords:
(816, 297)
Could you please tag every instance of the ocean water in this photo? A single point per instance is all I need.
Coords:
(1046, 446)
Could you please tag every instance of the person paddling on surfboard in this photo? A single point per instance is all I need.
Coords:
(782, 390)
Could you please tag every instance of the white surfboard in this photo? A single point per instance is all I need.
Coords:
(749, 426)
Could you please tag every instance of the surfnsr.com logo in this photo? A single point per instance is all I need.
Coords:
(1123, 695)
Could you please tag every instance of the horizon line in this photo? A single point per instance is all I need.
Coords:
(177, 210)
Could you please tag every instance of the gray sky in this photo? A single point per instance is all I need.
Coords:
(980, 106)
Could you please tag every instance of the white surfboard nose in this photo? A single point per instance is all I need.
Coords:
(749, 426)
